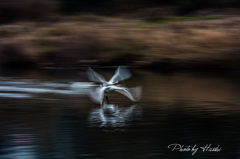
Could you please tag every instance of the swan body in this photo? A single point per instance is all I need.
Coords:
(97, 94)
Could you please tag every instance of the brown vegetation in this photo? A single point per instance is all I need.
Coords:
(80, 40)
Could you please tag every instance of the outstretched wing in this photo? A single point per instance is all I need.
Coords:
(120, 74)
(97, 94)
(133, 94)
(94, 76)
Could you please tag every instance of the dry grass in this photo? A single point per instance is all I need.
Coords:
(107, 40)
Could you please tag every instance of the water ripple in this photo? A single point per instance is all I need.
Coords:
(27, 88)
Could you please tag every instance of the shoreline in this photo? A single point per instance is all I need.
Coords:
(203, 44)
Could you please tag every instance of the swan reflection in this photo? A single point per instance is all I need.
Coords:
(112, 115)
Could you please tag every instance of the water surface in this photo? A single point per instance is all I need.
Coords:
(42, 116)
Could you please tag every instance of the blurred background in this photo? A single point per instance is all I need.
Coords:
(172, 34)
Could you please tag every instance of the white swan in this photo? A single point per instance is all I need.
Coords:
(97, 93)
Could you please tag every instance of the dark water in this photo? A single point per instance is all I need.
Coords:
(43, 117)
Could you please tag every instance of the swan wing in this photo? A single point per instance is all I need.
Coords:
(94, 76)
(133, 94)
(97, 94)
(120, 74)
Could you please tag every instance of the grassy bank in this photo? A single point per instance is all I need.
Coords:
(172, 43)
